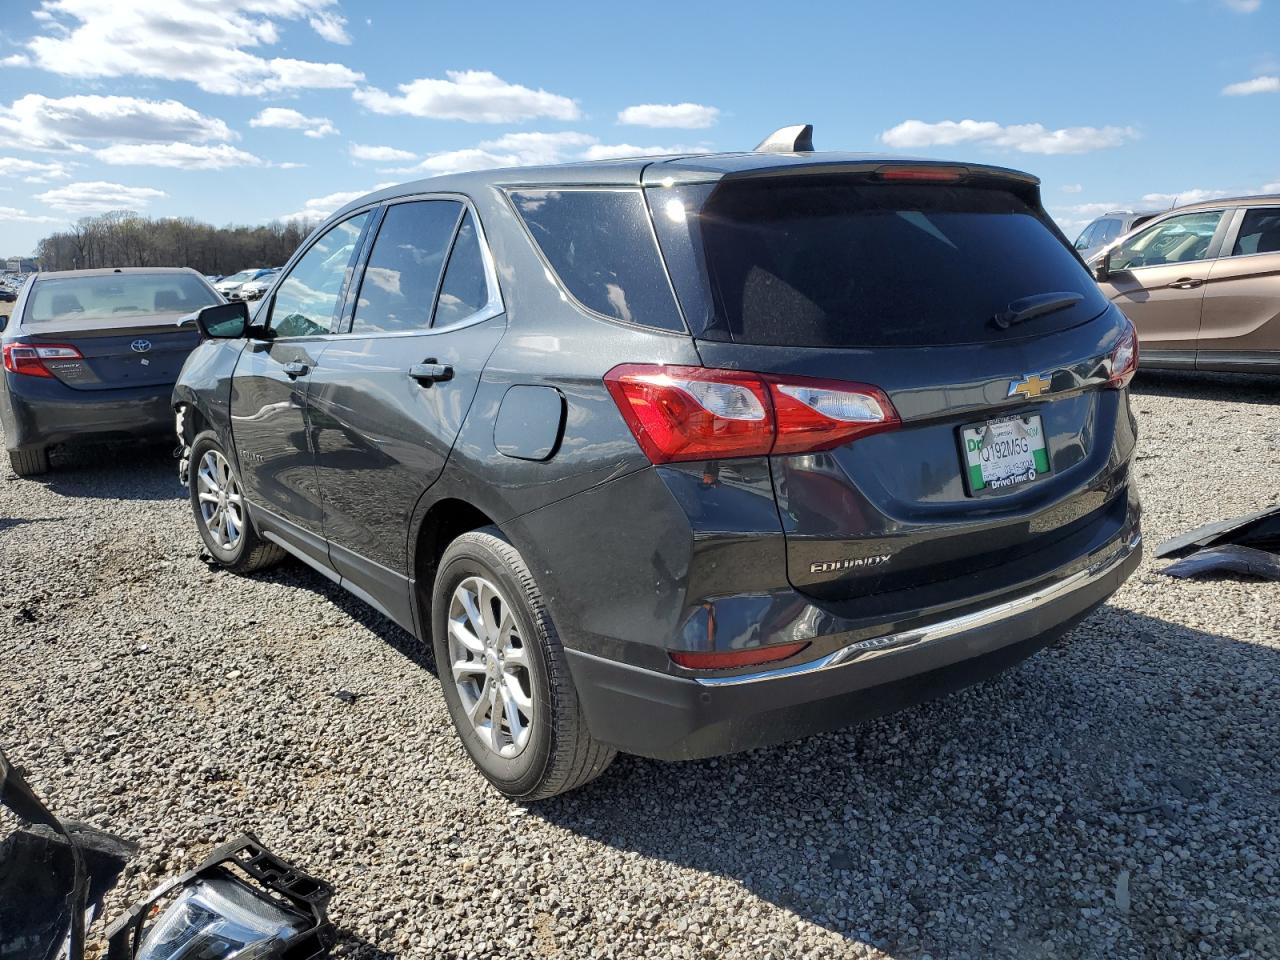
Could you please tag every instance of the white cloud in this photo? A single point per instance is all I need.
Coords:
(460, 161)
(330, 26)
(195, 40)
(376, 154)
(15, 60)
(1072, 188)
(41, 123)
(476, 96)
(317, 208)
(538, 148)
(1242, 6)
(1162, 201)
(98, 196)
(14, 215)
(1245, 88)
(33, 171)
(185, 156)
(614, 151)
(287, 119)
(1023, 137)
(685, 116)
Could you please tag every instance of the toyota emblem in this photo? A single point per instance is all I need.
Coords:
(140, 346)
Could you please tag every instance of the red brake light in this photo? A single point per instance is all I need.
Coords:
(696, 413)
(922, 174)
(28, 358)
(1123, 361)
(729, 659)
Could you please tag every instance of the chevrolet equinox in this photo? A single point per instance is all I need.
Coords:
(680, 456)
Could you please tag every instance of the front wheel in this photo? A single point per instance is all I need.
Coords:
(222, 518)
(504, 674)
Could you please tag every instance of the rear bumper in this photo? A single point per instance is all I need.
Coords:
(40, 412)
(671, 717)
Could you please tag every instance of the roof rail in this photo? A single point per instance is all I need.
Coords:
(793, 139)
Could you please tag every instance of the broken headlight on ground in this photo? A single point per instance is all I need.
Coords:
(241, 903)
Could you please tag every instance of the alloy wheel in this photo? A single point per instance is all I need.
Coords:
(490, 666)
(221, 503)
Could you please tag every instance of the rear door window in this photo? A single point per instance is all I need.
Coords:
(399, 285)
(836, 262)
(600, 244)
(1259, 232)
(465, 288)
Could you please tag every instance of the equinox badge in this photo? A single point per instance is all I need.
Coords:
(830, 566)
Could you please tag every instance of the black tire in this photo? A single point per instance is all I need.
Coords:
(29, 463)
(560, 754)
(250, 552)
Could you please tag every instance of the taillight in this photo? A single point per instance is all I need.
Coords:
(28, 358)
(696, 413)
(922, 174)
(728, 659)
(1123, 361)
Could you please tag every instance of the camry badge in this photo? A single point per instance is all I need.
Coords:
(1029, 387)
(140, 346)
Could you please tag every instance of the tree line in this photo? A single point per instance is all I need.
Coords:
(122, 238)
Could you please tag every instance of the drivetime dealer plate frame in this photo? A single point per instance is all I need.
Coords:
(1003, 454)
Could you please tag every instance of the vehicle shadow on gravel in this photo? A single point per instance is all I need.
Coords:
(1225, 387)
(1112, 796)
(113, 471)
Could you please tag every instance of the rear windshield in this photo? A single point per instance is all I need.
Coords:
(117, 296)
(839, 263)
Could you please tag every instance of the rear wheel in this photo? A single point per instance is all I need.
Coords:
(29, 463)
(221, 516)
(504, 674)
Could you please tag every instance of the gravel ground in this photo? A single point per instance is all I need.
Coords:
(1116, 796)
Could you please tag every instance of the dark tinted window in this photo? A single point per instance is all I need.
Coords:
(465, 289)
(307, 298)
(399, 285)
(1259, 232)
(836, 262)
(600, 244)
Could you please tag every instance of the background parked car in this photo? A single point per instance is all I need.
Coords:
(227, 286)
(94, 353)
(254, 289)
(1109, 227)
(1202, 285)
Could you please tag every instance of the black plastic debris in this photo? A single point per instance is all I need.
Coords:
(346, 696)
(1260, 530)
(1231, 558)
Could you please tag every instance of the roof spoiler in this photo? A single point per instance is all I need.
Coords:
(793, 139)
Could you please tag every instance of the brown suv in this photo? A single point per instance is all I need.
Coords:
(1202, 285)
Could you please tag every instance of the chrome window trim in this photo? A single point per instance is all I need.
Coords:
(918, 637)
(494, 306)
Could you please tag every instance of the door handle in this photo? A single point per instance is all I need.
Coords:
(430, 371)
(295, 369)
(1186, 283)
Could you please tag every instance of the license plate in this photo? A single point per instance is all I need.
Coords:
(1004, 453)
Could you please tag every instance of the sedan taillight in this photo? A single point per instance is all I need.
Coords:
(29, 358)
(698, 413)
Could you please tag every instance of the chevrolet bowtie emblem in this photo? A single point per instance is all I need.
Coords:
(1029, 387)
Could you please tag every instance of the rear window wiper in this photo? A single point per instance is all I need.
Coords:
(1037, 305)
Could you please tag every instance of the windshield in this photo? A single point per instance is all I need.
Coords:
(834, 262)
(117, 296)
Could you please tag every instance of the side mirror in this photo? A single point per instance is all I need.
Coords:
(224, 321)
(1102, 268)
(4, 322)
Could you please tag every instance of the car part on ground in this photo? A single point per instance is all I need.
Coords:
(1259, 529)
(1230, 558)
(93, 354)
(241, 901)
(774, 437)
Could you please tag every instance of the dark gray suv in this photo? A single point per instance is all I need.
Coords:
(680, 456)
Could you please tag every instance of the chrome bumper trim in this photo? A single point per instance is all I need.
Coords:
(943, 629)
